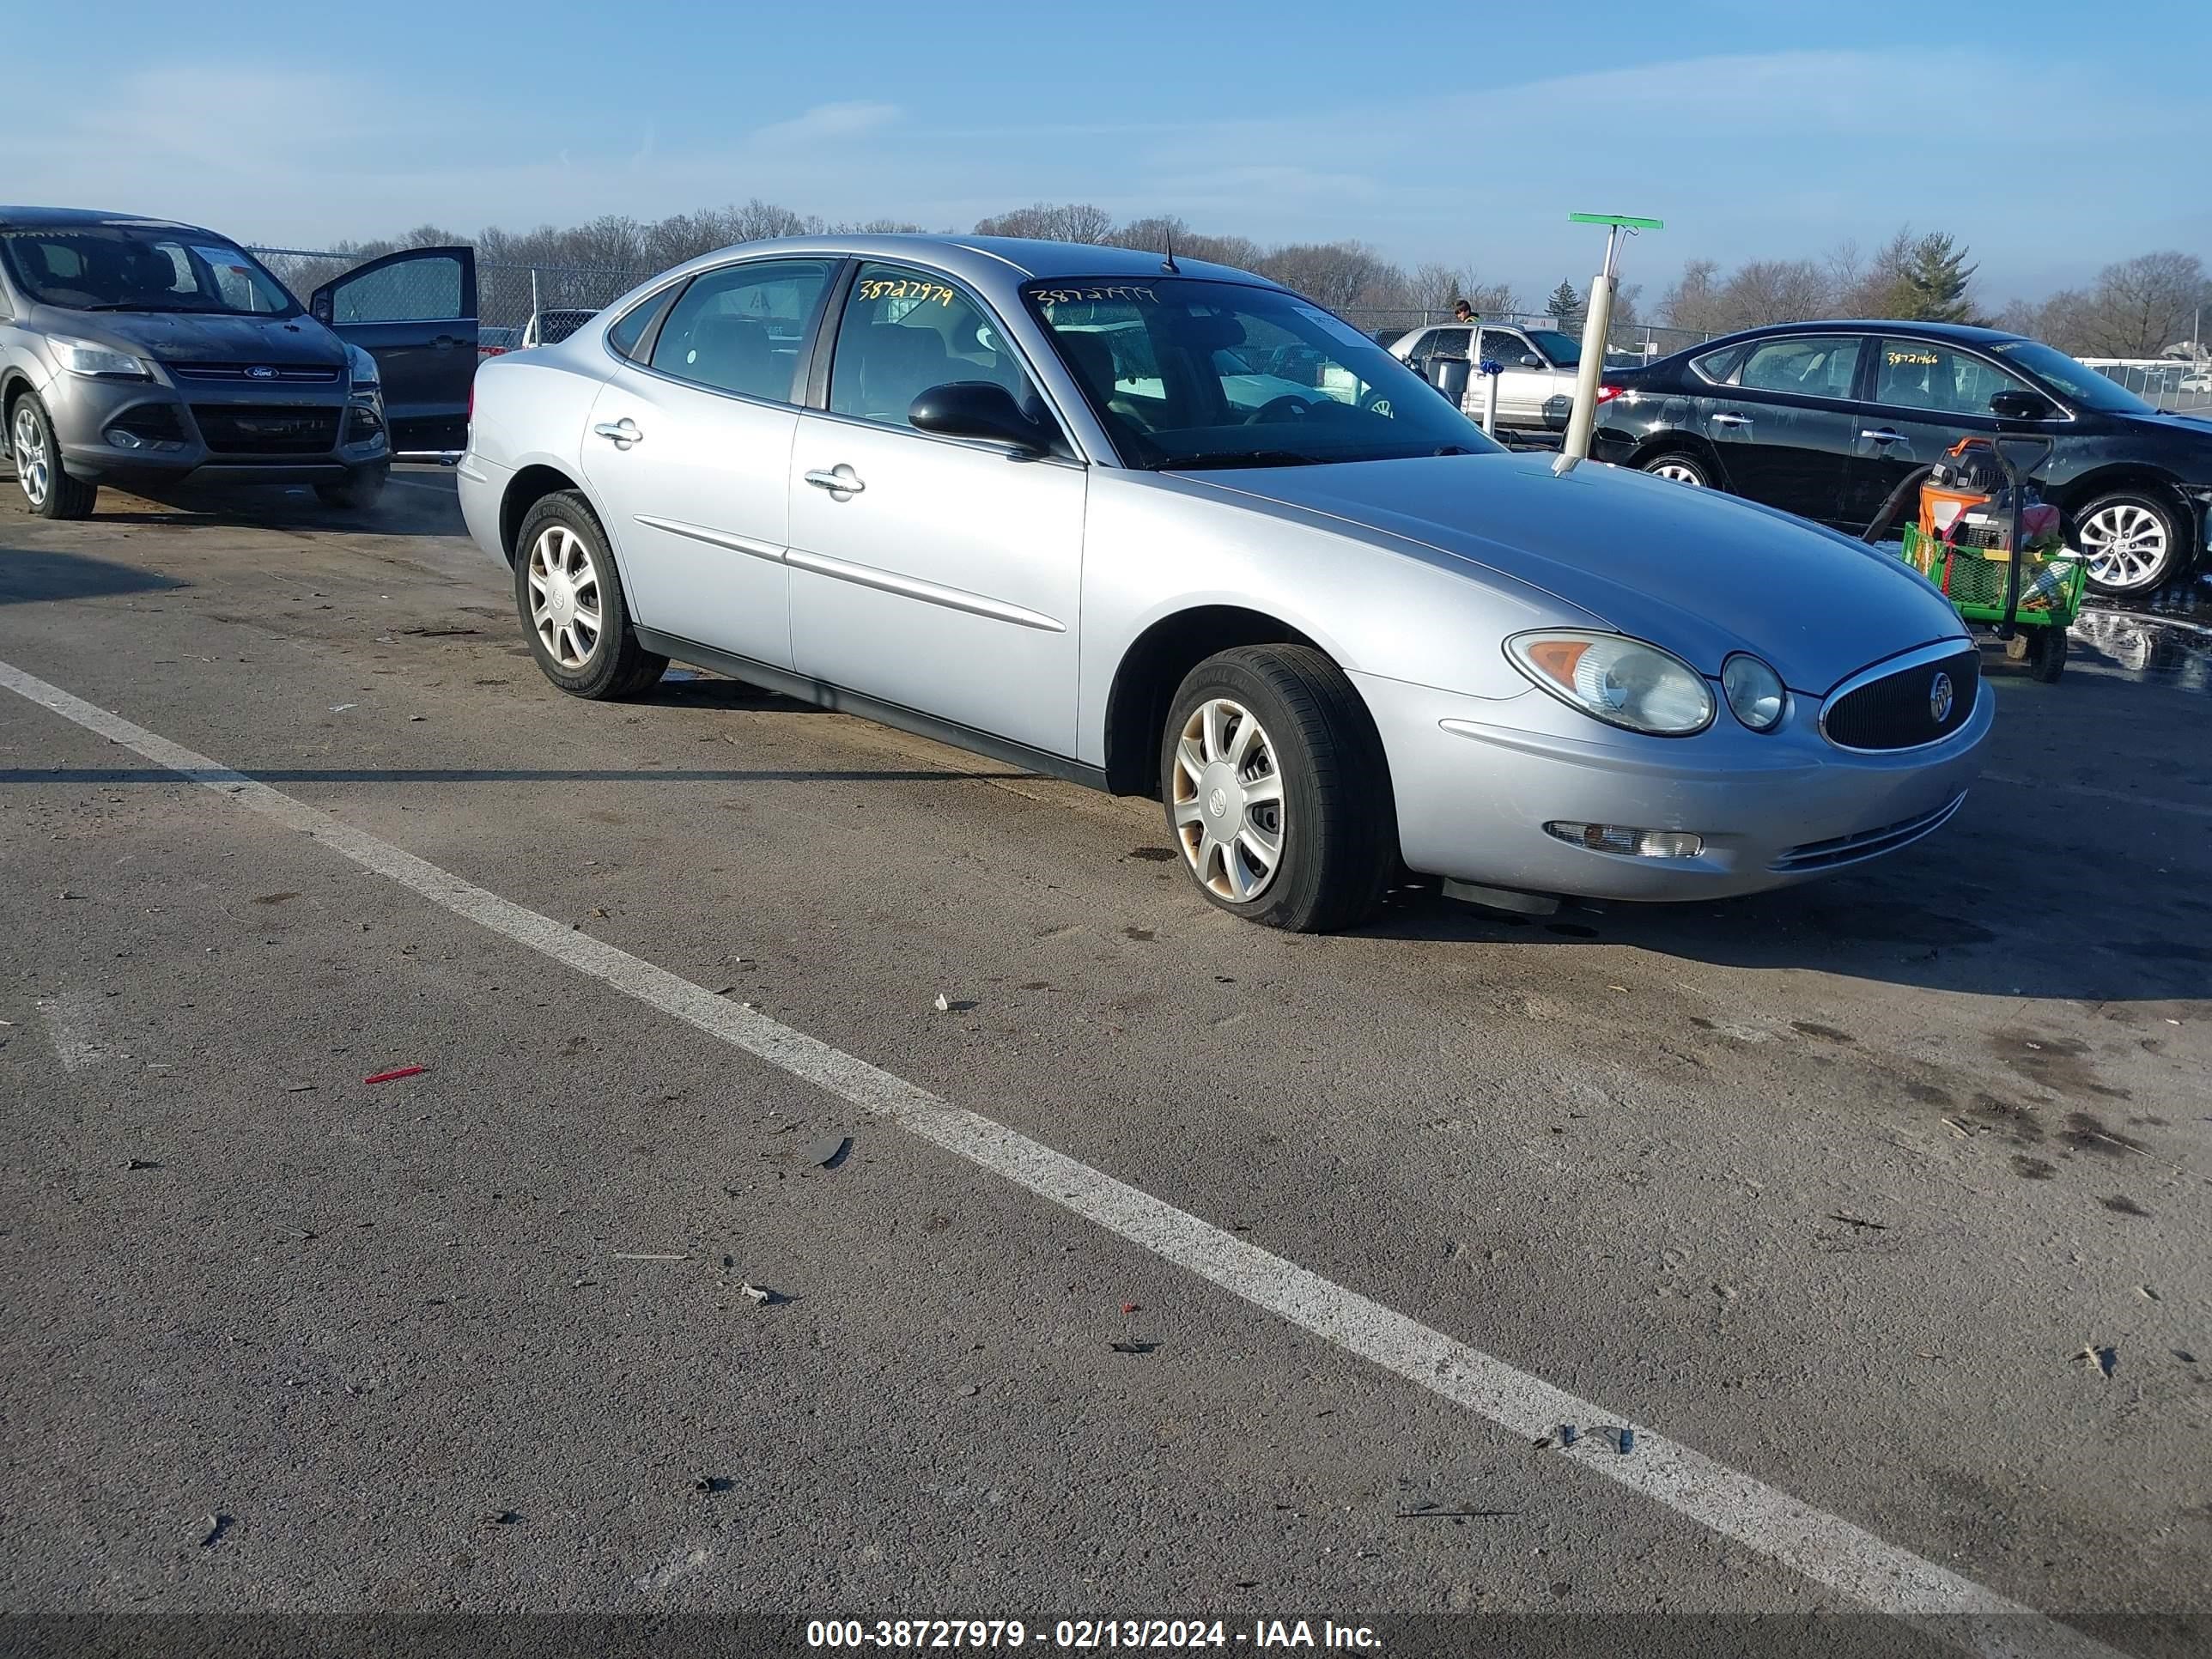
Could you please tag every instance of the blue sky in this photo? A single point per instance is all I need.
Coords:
(2053, 138)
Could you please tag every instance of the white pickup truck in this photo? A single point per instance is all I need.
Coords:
(1537, 386)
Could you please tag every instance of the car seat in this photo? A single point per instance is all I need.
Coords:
(898, 365)
(734, 353)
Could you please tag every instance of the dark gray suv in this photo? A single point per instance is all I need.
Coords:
(139, 352)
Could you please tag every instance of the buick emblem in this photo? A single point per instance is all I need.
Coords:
(260, 371)
(1939, 698)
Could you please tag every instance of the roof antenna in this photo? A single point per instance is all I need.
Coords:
(1167, 260)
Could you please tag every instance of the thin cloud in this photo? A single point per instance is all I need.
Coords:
(825, 123)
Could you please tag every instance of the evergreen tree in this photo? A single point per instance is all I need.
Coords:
(1566, 306)
(1931, 283)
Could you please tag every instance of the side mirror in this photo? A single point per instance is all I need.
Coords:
(1530, 360)
(978, 409)
(2022, 406)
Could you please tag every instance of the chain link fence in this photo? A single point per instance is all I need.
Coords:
(2180, 384)
(562, 298)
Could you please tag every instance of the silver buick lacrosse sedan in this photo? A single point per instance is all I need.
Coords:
(1167, 528)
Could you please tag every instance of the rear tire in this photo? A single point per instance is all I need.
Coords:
(1277, 789)
(571, 602)
(1679, 465)
(356, 492)
(48, 490)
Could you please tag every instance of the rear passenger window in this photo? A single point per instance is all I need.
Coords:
(904, 332)
(1809, 366)
(740, 329)
(1442, 342)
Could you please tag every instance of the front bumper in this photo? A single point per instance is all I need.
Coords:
(96, 418)
(1477, 779)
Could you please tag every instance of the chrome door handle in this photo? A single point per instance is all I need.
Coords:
(1731, 419)
(1884, 436)
(838, 480)
(622, 433)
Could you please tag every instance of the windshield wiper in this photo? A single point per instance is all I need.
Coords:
(132, 305)
(1207, 460)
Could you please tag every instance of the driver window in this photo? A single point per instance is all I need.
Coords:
(1921, 375)
(904, 331)
(1506, 346)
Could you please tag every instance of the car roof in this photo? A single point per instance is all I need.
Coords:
(992, 263)
(1964, 333)
(47, 218)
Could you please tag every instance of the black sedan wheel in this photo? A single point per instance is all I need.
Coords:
(1679, 466)
(2132, 539)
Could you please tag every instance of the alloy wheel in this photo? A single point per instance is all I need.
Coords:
(2125, 545)
(1679, 472)
(1229, 800)
(564, 596)
(34, 466)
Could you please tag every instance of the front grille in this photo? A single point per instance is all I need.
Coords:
(267, 429)
(1867, 843)
(243, 373)
(1905, 710)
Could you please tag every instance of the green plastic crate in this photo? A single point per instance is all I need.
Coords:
(2052, 583)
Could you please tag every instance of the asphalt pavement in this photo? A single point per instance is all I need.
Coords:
(1877, 1210)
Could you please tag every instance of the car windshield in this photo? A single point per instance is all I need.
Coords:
(2076, 381)
(133, 268)
(1562, 348)
(1186, 373)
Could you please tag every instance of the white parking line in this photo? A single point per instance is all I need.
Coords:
(74, 1020)
(1823, 1548)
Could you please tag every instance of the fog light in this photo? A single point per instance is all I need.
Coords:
(124, 439)
(1627, 842)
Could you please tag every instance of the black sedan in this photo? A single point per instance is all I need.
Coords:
(1825, 419)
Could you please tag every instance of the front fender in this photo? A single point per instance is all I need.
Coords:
(1156, 544)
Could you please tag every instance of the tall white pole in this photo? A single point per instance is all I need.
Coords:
(1596, 325)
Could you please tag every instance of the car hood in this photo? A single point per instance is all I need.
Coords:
(1697, 572)
(170, 337)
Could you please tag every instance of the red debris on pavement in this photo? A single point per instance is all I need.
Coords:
(392, 1076)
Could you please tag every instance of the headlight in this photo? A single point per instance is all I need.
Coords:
(83, 357)
(361, 371)
(1755, 691)
(1620, 680)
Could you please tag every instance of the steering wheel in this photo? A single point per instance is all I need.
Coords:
(1290, 405)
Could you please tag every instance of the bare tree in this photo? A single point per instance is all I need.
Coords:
(1068, 222)
(1335, 274)
(2139, 306)
(1694, 301)
(1439, 288)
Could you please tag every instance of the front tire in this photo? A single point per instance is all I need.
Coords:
(1278, 791)
(571, 602)
(1679, 465)
(356, 492)
(2132, 538)
(48, 490)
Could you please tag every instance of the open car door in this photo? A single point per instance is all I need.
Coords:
(415, 312)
